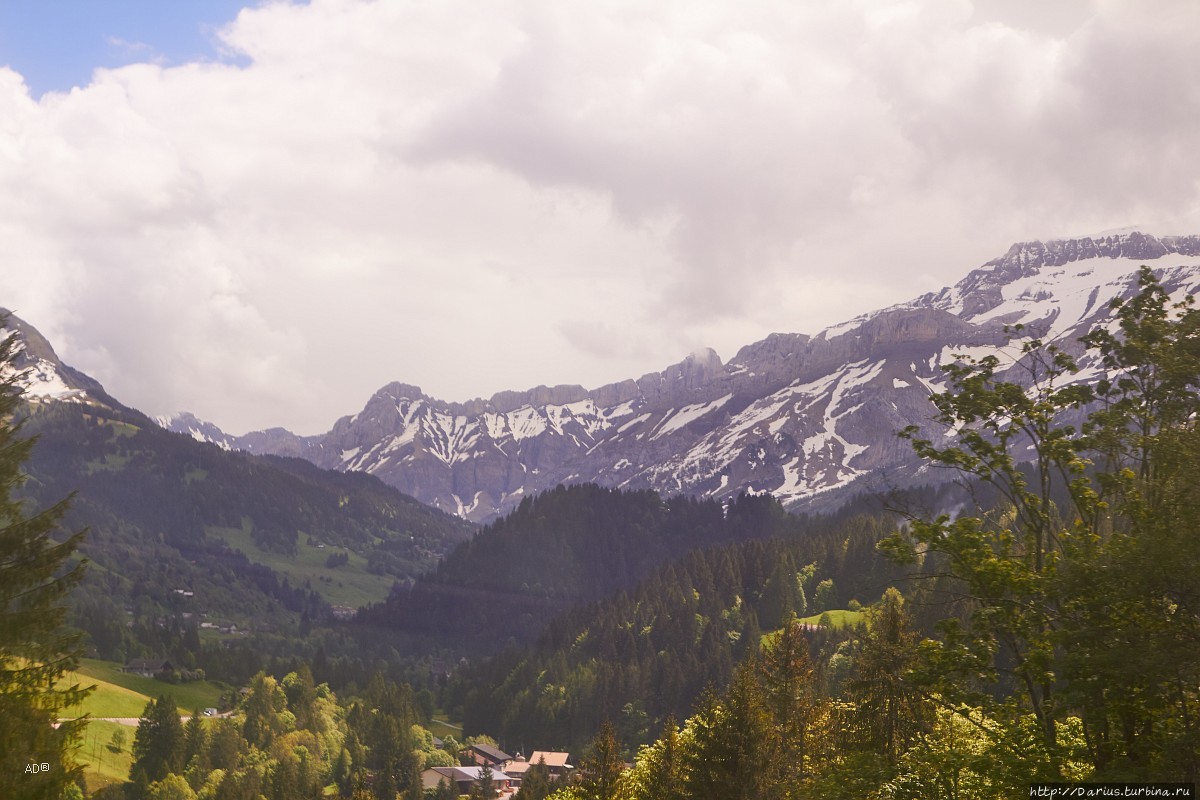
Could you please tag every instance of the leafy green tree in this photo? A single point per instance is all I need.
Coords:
(172, 787)
(1131, 648)
(1079, 577)
(35, 652)
(301, 695)
(266, 710)
(825, 596)
(1008, 559)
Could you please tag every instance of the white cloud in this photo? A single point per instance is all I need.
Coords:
(482, 197)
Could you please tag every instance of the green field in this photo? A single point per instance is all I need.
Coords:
(118, 694)
(441, 727)
(103, 763)
(838, 618)
(347, 585)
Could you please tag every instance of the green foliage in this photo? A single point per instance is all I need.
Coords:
(658, 771)
(1069, 650)
(158, 744)
(825, 597)
(166, 512)
(172, 787)
(600, 770)
(36, 573)
(661, 642)
(1076, 577)
(521, 571)
(889, 709)
(796, 708)
(537, 784)
(484, 787)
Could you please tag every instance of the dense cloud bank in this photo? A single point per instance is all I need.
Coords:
(482, 197)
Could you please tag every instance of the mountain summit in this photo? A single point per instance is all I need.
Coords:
(44, 377)
(793, 414)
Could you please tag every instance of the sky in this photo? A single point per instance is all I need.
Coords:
(264, 214)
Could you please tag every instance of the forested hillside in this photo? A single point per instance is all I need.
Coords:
(647, 653)
(571, 545)
(182, 530)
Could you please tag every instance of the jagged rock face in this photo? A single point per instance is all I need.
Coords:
(796, 415)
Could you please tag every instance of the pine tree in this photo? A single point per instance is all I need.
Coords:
(658, 772)
(731, 751)
(445, 791)
(795, 707)
(536, 783)
(195, 738)
(889, 709)
(34, 651)
(484, 787)
(601, 769)
(158, 745)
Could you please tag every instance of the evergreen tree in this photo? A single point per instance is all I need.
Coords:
(195, 738)
(795, 707)
(445, 791)
(657, 773)
(158, 745)
(536, 784)
(730, 755)
(484, 787)
(825, 596)
(889, 708)
(600, 772)
(34, 651)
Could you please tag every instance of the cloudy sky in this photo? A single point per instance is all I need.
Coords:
(263, 214)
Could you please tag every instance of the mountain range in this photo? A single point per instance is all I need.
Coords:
(800, 416)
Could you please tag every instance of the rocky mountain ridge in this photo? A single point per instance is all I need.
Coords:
(793, 414)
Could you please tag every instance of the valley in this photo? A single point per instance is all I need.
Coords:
(658, 560)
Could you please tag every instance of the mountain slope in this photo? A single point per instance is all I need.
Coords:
(179, 530)
(567, 546)
(44, 378)
(793, 414)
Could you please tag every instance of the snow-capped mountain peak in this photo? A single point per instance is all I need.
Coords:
(793, 414)
(43, 376)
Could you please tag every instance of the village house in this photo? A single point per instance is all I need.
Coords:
(486, 754)
(556, 762)
(462, 778)
(148, 667)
